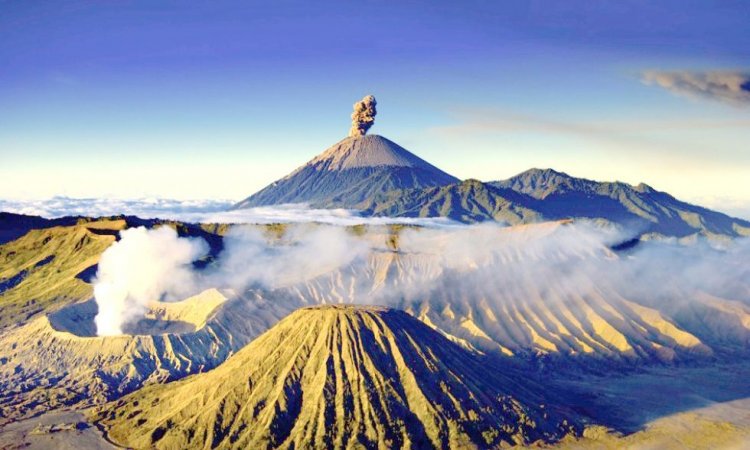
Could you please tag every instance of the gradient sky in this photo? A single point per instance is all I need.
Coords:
(217, 99)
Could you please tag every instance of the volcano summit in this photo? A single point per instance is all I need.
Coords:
(352, 171)
(344, 377)
(378, 177)
(349, 173)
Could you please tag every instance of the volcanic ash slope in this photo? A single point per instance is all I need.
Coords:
(532, 290)
(342, 377)
(57, 360)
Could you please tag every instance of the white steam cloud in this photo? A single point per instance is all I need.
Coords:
(144, 266)
(150, 265)
(575, 258)
(205, 211)
(480, 266)
(251, 259)
(502, 265)
(363, 116)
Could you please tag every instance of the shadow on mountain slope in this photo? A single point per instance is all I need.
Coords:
(629, 402)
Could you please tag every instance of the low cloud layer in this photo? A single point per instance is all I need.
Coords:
(147, 265)
(147, 208)
(482, 266)
(543, 258)
(203, 211)
(301, 213)
(731, 87)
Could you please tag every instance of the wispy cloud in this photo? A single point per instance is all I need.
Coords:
(645, 136)
(731, 87)
(300, 213)
(493, 120)
(204, 211)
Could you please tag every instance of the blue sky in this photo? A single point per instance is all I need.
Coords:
(217, 99)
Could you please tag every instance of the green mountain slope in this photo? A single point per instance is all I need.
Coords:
(40, 271)
(544, 195)
(556, 195)
(51, 266)
(468, 201)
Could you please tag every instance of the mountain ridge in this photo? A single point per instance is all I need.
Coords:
(562, 195)
(341, 376)
(540, 183)
(468, 201)
(380, 178)
(348, 173)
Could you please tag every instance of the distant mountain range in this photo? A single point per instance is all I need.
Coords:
(380, 178)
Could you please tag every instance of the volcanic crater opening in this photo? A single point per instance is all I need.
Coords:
(186, 316)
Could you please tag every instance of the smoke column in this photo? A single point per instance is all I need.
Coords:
(363, 116)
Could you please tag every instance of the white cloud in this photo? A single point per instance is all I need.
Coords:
(142, 266)
(96, 207)
(300, 213)
(724, 86)
(482, 264)
(203, 211)
(156, 264)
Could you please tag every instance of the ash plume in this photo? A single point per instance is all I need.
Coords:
(363, 116)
